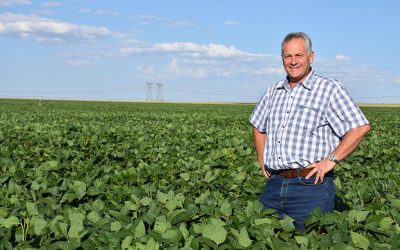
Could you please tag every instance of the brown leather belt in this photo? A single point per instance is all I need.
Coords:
(291, 173)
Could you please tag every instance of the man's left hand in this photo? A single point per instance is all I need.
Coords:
(320, 169)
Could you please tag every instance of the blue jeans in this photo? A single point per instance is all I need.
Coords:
(297, 197)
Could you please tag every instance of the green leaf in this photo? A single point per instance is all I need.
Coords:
(80, 188)
(261, 221)
(244, 239)
(216, 233)
(314, 217)
(115, 226)
(140, 230)
(185, 176)
(185, 233)
(287, 224)
(249, 209)
(395, 203)
(386, 224)
(358, 215)
(162, 197)
(93, 216)
(76, 227)
(126, 243)
(131, 206)
(39, 225)
(378, 246)
(172, 235)
(93, 191)
(98, 205)
(301, 240)
(9, 222)
(177, 201)
(179, 217)
(226, 209)
(150, 245)
(3, 212)
(359, 240)
(329, 219)
(258, 207)
(145, 201)
(49, 165)
(161, 225)
(60, 228)
(31, 208)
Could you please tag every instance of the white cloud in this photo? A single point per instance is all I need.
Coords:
(34, 26)
(50, 4)
(149, 70)
(54, 40)
(342, 58)
(191, 50)
(275, 70)
(145, 19)
(180, 24)
(79, 62)
(397, 81)
(85, 10)
(185, 71)
(13, 2)
(99, 12)
(107, 12)
(231, 23)
(173, 67)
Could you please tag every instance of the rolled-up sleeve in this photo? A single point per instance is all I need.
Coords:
(260, 113)
(343, 114)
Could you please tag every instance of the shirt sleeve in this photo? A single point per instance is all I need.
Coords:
(342, 113)
(260, 113)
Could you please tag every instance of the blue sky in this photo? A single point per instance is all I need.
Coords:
(197, 50)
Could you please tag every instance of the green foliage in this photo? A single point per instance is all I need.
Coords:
(86, 175)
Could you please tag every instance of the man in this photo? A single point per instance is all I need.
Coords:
(302, 127)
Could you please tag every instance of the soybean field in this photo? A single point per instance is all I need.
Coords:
(124, 175)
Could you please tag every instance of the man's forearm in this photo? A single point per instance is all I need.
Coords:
(259, 143)
(351, 141)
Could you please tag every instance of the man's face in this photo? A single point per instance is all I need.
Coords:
(296, 60)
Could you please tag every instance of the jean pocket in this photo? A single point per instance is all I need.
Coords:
(309, 181)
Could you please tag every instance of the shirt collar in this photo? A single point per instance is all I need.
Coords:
(306, 83)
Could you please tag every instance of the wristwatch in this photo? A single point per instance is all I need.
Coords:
(331, 157)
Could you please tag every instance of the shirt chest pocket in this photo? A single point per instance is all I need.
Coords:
(308, 117)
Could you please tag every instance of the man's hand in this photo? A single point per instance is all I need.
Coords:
(320, 169)
(266, 173)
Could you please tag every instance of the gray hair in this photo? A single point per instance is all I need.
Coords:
(302, 35)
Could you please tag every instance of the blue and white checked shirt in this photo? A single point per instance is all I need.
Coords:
(303, 125)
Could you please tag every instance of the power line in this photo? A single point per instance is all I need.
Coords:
(71, 91)
(208, 93)
(373, 97)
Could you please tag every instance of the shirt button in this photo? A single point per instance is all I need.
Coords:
(279, 141)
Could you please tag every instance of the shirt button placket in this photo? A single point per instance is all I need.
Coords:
(285, 120)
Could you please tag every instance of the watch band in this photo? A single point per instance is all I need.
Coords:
(331, 157)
